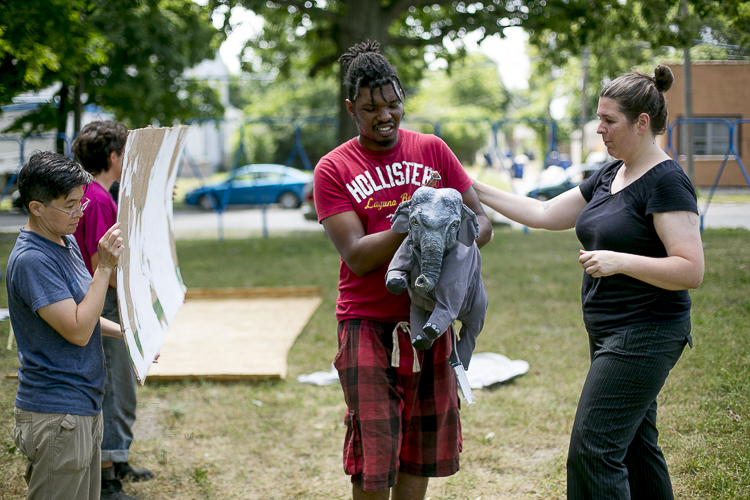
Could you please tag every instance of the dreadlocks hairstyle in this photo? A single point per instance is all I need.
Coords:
(364, 65)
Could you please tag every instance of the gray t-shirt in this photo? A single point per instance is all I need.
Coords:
(56, 376)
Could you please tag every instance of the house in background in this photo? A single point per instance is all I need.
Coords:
(210, 143)
(13, 154)
(721, 89)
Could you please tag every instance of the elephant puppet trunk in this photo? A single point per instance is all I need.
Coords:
(432, 259)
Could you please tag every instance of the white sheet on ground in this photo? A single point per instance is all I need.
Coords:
(486, 369)
(320, 378)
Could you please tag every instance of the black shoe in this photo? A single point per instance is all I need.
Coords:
(112, 490)
(124, 471)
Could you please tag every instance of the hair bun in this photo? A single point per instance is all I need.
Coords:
(663, 78)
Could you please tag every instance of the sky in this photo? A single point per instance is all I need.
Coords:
(509, 53)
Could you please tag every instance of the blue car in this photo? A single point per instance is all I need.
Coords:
(253, 185)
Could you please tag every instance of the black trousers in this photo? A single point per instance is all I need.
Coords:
(613, 452)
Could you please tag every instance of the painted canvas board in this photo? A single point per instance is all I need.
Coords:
(149, 285)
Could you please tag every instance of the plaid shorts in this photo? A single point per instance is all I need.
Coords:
(396, 419)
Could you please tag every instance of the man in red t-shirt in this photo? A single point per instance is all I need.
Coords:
(402, 416)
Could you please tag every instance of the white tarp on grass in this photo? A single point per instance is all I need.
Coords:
(486, 369)
(149, 286)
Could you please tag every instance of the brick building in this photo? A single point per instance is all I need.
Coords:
(721, 89)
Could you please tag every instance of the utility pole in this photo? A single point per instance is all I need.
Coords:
(688, 91)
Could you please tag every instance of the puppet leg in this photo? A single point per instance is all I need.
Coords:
(447, 308)
(417, 320)
(396, 281)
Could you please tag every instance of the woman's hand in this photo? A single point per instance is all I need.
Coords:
(681, 269)
(110, 247)
(600, 263)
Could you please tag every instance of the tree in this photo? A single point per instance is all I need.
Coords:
(40, 39)
(635, 36)
(312, 34)
(41, 42)
(127, 56)
(465, 101)
(293, 100)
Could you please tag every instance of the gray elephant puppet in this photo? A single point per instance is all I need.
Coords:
(439, 264)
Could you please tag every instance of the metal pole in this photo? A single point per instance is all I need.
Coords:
(688, 90)
(264, 211)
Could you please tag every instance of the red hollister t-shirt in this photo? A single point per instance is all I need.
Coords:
(372, 184)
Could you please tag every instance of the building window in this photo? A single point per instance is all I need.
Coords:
(709, 139)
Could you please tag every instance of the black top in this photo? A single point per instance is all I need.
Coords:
(623, 222)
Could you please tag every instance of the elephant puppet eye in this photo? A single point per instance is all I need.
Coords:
(454, 226)
(414, 222)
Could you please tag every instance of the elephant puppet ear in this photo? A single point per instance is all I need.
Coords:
(400, 218)
(469, 229)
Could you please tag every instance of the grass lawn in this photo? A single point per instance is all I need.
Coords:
(282, 440)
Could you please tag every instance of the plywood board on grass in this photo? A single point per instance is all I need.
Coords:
(234, 337)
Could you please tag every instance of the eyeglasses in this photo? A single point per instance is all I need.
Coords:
(76, 211)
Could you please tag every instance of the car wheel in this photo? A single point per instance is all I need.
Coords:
(205, 202)
(542, 197)
(288, 199)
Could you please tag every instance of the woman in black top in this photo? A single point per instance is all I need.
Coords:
(637, 219)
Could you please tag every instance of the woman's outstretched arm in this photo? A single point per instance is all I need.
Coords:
(558, 213)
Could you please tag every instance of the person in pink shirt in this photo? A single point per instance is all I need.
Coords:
(99, 148)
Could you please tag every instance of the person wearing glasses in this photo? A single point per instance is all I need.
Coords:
(55, 307)
(100, 148)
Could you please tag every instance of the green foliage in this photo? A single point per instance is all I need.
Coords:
(154, 41)
(40, 39)
(314, 34)
(310, 36)
(126, 56)
(465, 100)
(288, 102)
(626, 36)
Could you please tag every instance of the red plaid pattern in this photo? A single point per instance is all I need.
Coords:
(396, 420)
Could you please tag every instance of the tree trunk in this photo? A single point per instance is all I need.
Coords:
(584, 113)
(78, 105)
(362, 21)
(347, 126)
(62, 119)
